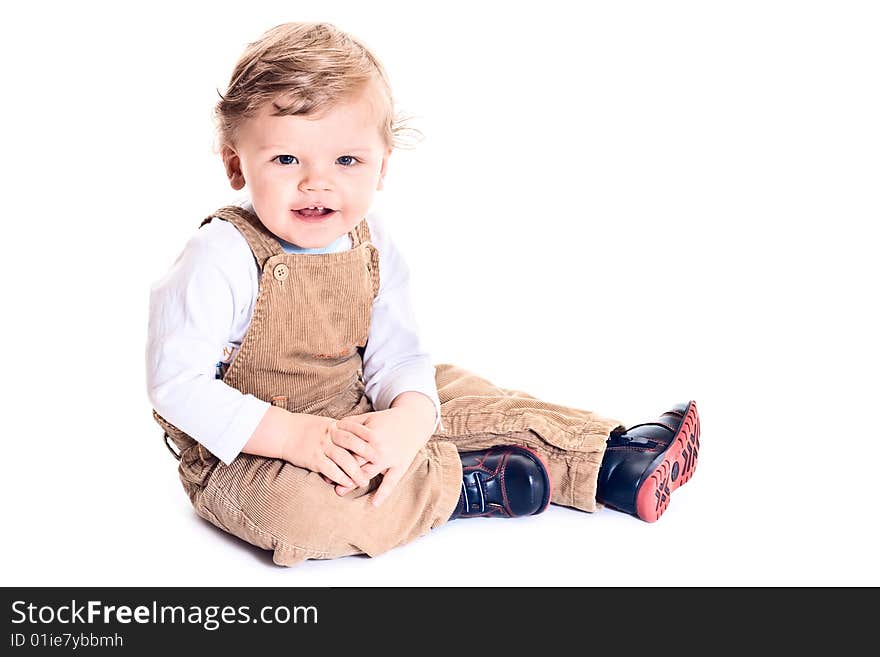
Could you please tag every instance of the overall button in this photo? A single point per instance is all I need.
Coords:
(281, 272)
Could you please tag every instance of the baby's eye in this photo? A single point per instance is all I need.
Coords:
(346, 160)
(285, 159)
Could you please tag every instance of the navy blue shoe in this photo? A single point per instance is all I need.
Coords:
(645, 463)
(502, 482)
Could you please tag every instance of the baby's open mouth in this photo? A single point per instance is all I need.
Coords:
(314, 212)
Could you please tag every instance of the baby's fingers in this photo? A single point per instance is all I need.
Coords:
(349, 465)
(334, 473)
(370, 470)
(389, 481)
(362, 431)
(354, 444)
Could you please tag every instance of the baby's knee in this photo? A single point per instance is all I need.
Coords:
(280, 507)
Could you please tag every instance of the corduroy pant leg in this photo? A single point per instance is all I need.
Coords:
(478, 414)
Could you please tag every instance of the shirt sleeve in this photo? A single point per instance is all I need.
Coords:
(395, 360)
(192, 311)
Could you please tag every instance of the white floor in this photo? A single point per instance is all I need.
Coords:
(767, 505)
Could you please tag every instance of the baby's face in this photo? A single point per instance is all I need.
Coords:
(292, 163)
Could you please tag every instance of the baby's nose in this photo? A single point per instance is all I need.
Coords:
(314, 180)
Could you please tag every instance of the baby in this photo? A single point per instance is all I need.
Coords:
(325, 430)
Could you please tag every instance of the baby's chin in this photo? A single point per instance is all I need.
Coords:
(310, 239)
(315, 232)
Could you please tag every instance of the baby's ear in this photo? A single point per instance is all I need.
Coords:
(383, 170)
(232, 163)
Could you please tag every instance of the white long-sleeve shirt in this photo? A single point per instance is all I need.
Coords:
(200, 311)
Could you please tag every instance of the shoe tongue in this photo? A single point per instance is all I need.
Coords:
(631, 440)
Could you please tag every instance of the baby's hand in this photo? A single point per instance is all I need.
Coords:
(364, 455)
(361, 461)
(388, 439)
(311, 446)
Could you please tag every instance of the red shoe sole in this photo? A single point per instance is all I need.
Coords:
(676, 466)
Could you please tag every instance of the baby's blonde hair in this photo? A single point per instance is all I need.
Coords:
(305, 69)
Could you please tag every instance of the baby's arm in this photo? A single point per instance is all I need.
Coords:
(395, 359)
(193, 310)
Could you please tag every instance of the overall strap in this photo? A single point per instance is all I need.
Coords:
(360, 234)
(262, 242)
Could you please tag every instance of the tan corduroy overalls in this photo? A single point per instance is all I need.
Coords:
(303, 351)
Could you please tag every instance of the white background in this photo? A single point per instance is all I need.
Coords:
(618, 206)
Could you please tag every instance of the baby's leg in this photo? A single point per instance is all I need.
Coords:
(294, 512)
(478, 414)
